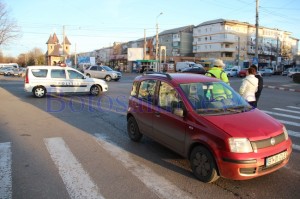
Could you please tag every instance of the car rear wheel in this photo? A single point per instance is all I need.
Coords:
(39, 91)
(108, 78)
(203, 165)
(95, 90)
(133, 130)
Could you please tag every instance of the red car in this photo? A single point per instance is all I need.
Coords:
(243, 72)
(206, 121)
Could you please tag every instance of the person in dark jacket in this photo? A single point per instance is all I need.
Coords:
(260, 84)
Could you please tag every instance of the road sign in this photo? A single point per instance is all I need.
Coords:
(255, 60)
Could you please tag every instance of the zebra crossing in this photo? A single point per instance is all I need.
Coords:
(290, 117)
(78, 182)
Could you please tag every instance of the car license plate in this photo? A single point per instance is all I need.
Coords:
(276, 158)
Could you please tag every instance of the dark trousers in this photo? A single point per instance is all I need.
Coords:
(253, 103)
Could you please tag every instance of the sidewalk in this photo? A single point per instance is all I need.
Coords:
(281, 83)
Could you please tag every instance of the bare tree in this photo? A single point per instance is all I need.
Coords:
(9, 30)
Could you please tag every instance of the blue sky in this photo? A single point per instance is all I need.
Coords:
(93, 24)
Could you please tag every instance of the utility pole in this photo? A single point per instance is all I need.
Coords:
(156, 46)
(239, 46)
(75, 58)
(144, 44)
(63, 52)
(276, 53)
(256, 35)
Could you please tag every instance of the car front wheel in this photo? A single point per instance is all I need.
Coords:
(39, 92)
(95, 90)
(133, 130)
(108, 78)
(203, 165)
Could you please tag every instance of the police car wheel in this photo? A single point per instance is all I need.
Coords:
(95, 90)
(39, 92)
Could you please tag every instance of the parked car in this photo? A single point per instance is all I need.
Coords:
(285, 72)
(197, 70)
(293, 71)
(20, 72)
(195, 116)
(231, 72)
(103, 72)
(40, 80)
(4, 69)
(182, 65)
(266, 72)
(243, 72)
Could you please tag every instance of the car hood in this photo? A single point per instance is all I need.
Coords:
(254, 124)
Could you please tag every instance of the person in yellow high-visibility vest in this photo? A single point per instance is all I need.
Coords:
(219, 92)
(217, 71)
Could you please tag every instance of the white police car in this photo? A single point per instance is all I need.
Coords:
(56, 79)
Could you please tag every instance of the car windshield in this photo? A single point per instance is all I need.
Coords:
(214, 98)
(107, 68)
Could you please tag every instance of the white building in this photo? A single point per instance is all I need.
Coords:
(234, 42)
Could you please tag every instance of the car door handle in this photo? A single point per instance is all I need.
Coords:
(191, 127)
(157, 114)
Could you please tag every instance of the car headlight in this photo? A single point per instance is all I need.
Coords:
(240, 145)
(286, 135)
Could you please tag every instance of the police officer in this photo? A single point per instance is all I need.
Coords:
(217, 71)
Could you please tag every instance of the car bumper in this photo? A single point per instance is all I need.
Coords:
(252, 165)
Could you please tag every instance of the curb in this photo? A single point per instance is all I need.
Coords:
(282, 88)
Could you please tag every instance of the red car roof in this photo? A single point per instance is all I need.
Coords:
(178, 78)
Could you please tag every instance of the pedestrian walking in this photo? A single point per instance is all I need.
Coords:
(217, 71)
(249, 87)
(260, 84)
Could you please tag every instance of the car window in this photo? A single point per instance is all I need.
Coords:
(75, 75)
(214, 98)
(147, 90)
(58, 73)
(168, 97)
(93, 68)
(39, 72)
(107, 68)
(134, 89)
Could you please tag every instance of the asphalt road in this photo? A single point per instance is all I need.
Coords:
(76, 146)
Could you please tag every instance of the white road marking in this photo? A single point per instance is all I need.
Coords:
(294, 134)
(280, 114)
(289, 123)
(155, 182)
(77, 180)
(5, 170)
(294, 107)
(297, 147)
(290, 111)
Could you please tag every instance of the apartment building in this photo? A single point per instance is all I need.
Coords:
(235, 42)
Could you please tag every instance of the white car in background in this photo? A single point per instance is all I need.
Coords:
(40, 80)
(232, 72)
(293, 71)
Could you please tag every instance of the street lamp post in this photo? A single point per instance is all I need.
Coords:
(156, 46)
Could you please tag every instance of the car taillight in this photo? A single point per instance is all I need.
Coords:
(26, 78)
